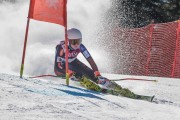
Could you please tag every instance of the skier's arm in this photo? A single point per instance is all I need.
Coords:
(89, 58)
(59, 59)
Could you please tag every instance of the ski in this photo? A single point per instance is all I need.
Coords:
(127, 93)
(114, 89)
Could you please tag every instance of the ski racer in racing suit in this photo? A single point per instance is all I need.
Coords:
(76, 67)
(78, 70)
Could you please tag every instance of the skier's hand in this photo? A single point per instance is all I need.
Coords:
(97, 73)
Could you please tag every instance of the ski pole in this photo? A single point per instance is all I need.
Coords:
(138, 79)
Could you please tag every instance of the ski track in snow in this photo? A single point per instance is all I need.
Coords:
(29, 99)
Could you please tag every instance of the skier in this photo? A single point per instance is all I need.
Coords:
(77, 69)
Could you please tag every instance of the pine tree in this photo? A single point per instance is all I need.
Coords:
(138, 13)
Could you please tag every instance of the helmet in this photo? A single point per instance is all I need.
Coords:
(74, 33)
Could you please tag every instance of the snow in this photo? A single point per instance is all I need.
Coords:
(50, 99)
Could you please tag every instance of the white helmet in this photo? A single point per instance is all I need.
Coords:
(74, 33)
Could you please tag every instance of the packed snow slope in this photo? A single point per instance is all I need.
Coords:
(51, 99)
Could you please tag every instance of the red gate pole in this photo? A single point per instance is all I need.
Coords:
(150, 47)
(66, 43)
(176, 49)
(25, 43)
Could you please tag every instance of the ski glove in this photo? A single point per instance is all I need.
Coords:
(97, 73)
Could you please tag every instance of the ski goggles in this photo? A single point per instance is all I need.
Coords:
(75, 41)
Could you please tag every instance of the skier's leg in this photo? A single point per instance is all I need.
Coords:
(78, 67)
(81, 69)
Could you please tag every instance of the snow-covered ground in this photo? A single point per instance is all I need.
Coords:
(51, 99)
